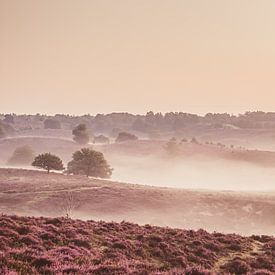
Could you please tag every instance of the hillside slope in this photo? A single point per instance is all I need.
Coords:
(59, 245)
(26, 192)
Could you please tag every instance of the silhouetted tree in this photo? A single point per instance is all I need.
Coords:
(89, 162)
(81, 135)
(48, 162)
(22, 155)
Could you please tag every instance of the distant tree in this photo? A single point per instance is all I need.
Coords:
(81, 134)
(194, 140)
(6, 129)
(123, 136)
(141, 126)
(115, 131)
(89, 162)
(101, 139)
(50, 123)
(22, 155)
(2, 132)
(172, 147)
(48, 162)
(8, 119)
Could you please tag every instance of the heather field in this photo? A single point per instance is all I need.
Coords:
(63, 246)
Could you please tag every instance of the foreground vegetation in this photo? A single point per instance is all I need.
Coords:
(59, 245)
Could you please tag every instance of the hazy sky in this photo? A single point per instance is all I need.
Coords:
(87, 56)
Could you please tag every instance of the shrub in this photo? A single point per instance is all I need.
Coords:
(237, 266)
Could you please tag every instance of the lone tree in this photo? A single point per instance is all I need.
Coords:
(22, 155)
(89, 162)
(124, 136)
(81, 134)
(51, 123)
(48, 162)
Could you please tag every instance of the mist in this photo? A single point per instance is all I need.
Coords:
(193, 173)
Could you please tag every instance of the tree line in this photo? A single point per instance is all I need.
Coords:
(150, 122)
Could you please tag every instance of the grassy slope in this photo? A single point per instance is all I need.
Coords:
(26, 192)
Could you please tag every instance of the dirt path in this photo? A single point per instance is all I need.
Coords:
(256, 248)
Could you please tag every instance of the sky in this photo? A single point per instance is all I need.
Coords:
(102, 56)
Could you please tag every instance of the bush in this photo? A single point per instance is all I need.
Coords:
(237, 266)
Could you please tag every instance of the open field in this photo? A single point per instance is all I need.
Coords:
(26, 192)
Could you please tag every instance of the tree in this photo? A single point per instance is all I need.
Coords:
(81, 135)
(22, 155)
(9, 118)
(123, 136)
(171, 147)
(48, 162)
(194, 140)
(89, 162)
(5, 129)
(52, 124)
(2, 132)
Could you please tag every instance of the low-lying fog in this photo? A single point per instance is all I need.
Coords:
(193, 173)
